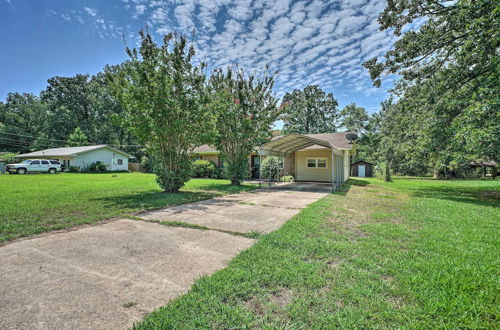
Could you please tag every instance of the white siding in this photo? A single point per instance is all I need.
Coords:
(107, 156)
(347, 164)
(304, 173)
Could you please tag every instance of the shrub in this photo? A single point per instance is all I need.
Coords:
(97, 167)
(383, 172)
(271, 167)
(287, 178)
(9, 157)
(146, 164)
(203, 169)
(74, 169)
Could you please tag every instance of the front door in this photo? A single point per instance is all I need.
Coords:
(255, 164)
(361, 171)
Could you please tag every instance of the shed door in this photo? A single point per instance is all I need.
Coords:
(361, 171)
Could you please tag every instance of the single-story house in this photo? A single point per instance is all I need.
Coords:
(362, 169)
(114, 159)
(308, 157)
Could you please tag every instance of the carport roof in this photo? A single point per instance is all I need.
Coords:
(286, 145)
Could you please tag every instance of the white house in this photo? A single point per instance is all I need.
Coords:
(114, 159)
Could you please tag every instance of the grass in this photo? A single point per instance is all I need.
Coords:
(32, 204)
(407, 254)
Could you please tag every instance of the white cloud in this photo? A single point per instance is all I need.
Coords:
(90, 11)
(321, 41)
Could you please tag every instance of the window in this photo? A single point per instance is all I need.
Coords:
(316, 162)
(120, 162)
(55, 162)
(45, 162)
(311, 162)
(35, 162)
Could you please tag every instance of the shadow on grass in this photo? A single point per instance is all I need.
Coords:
(463, 195)
(225, 188)
(153, 200)
(349, 183)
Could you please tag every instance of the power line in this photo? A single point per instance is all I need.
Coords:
(69, 142)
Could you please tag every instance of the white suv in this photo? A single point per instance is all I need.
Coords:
(35, 165)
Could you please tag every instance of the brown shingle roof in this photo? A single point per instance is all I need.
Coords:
(338, 140)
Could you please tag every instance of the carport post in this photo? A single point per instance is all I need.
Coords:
(333, 172)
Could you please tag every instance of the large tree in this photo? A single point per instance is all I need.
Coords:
(23, 118)
(354, 118)
(309, 111)
(245, 110)
(448, 111)
(163, 95)
(70, 105)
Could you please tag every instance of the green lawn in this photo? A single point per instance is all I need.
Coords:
(407, 254)
(31, 204)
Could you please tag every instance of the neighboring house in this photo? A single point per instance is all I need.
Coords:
(307, 157)
(362, 169)
(114, 159)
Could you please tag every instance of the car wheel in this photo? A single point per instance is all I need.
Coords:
(21, 171)
(52, 171)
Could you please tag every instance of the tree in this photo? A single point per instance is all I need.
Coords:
(448, 109)
(23, 117)
(70, 105)
(77, 138)
(162, 93)
(309, 111)
(245, 110)
(354, 118)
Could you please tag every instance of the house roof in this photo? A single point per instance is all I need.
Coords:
(491, 163)
(362, 161)
(336, 140)
(69, 151)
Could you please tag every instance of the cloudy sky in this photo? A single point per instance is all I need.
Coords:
(319, 42)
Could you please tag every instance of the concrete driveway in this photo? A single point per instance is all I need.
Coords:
(262, 210)
(109, 276)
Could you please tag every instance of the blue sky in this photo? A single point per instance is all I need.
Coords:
(306, 41)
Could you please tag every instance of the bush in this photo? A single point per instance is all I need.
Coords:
(287, 178)
(146, 164)
(236, 168)
(97, 167)
(383, 172)
(271, 167)
(9, 157)
(204, 169)
(74, 169)
(172, 180)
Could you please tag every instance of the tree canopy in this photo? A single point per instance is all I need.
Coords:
(245, 110)
(309, 111)
(163, 94)
(448, 111)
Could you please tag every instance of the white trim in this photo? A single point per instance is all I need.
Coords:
(316, 162)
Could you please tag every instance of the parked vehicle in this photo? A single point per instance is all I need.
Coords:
(35, 166)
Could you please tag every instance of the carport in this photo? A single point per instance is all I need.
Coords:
(285, 146)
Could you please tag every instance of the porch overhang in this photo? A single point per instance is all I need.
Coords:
(286, 145)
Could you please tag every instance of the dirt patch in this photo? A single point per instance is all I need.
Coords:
(282, 298)
(494, 194)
